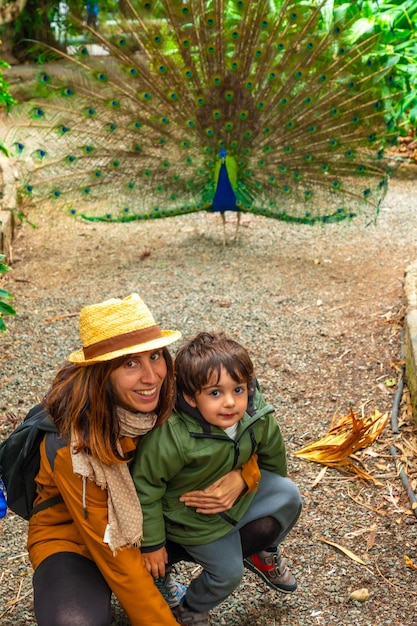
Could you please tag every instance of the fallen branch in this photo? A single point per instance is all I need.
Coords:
(413, 593)
(60, 317)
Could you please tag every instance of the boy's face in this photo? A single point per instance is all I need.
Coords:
(223, 402)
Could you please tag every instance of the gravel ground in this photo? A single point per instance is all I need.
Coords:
(321, 312)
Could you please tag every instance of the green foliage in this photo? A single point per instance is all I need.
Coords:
(5, 309)
(6, 99)
(394, 22)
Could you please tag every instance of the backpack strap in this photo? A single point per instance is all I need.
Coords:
(46, 504)
(53, 443)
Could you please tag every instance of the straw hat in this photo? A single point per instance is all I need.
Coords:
(117, 327)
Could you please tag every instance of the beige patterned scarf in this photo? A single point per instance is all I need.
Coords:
(124, 524)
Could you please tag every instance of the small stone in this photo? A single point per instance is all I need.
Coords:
(360, 595)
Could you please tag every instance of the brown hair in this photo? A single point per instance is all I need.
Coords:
(82, 403)
(205, 355)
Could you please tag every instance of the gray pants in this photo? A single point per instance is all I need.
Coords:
(222, 560)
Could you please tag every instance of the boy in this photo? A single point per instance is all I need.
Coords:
(220, 421)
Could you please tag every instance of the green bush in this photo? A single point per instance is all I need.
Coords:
(5, 309)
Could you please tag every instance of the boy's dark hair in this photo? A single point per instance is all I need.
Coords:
(205, 355)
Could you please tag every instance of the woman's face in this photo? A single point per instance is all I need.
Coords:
(137, 382)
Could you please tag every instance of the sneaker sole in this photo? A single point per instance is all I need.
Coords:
(255, 570)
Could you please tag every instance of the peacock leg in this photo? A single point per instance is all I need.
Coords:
(223, 214)
(236, 238)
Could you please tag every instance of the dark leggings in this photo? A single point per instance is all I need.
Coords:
(69, 589)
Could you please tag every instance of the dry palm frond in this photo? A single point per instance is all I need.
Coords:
(346, 435)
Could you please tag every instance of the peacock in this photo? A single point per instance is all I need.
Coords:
(269, 107)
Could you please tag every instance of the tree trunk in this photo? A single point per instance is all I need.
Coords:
(11, 10)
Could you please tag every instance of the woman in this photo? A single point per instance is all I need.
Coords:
(117, 387)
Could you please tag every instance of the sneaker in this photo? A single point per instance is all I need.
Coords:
(171, 590)
(187, 617)
(273, 569)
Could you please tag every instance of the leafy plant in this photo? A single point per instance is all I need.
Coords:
(394, 22)
(6, 99)
(5, 309)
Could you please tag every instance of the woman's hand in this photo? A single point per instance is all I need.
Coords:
(155, 562)
(218, 497)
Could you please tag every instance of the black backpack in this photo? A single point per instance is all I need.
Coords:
(20, 461)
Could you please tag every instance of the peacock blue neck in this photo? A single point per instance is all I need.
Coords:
(224, 197)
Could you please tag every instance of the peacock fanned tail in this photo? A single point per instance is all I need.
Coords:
(252, 106)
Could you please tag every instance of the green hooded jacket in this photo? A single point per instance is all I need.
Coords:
(188, 453)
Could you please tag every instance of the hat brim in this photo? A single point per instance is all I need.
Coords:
(168, 337)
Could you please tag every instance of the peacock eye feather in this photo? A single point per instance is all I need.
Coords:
(37, 112)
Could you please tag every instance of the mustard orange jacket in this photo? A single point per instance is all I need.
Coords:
(63, 527)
